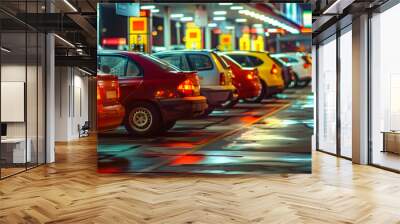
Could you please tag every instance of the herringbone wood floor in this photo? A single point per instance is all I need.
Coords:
(70, 191)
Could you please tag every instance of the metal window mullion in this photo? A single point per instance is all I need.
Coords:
(338, 93)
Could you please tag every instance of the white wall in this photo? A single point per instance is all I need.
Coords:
(71, 94)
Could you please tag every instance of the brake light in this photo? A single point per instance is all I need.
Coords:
(98, 94)
(187, 88)
(250, 76)
(274, 69)
(222, 79)
(306, 65)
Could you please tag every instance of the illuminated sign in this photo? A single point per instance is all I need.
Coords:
(113, 41)
(244, 42)
(193, 36)
(225, 42)
(257, 44)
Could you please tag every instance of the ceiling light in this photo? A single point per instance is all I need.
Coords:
(241, 20)
(177, 15)
(186, 19)
(230, 27)
(5, 50)
(64, 40)
(236, 7)
(219, 13)
(70, 5)
(219, 18)
(258, 25)
(155, 10)
(225, 3)
(266, 34)
(148, 7)
(212, 25)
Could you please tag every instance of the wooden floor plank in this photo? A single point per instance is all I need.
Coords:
(71, 191)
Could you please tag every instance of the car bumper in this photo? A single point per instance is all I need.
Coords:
(109, 117)
(248, 90)
(217, 96)
(305, 79)
(182, 108)
(274, 90)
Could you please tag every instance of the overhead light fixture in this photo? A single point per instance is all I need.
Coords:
(266, 34)
(155, 10)
(230, 27)
(212, 25)
(64, 40)
(177, 15)
(258, 25)
(70, 5)
(225, 3)
(147, 7)
(5, 50)
(241, 20)
(220, 13)
(219, 18)
(236, 7)
(187, 19)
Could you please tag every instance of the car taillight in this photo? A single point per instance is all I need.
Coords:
(250, 76)
(187, 88)
(98, 94)
(222, 79)
(274, 69)
(306, 65)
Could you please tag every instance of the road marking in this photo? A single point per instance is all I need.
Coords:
(226, 134)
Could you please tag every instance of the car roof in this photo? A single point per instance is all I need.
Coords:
(118, 52)
(204, 51)
(246, 52)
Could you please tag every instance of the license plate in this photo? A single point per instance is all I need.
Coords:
(111, 94)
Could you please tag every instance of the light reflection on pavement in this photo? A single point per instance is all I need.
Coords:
(272, 137)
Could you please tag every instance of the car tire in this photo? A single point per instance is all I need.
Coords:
(296, 81)
(208, 111)
(230, 103)
(259, 98)
(143, 119)
(169, 125)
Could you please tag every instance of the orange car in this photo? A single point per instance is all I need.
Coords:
(110, 113)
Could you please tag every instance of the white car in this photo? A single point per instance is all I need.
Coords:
(300, 64)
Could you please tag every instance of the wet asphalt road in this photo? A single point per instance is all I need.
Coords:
(271, 137)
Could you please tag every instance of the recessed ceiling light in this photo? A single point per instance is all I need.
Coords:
(177, 15)
(225, 3)
(219, 18)
(219, 13)
(236, 7)
(148, 7)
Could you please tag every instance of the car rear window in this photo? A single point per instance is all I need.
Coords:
(200, 62)
(241, 59)
(114, 65)
(256, 61)
(163, 64)
(176, 60)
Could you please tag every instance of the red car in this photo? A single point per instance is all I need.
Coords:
(110, 112)
(154, 93)
(245, 80)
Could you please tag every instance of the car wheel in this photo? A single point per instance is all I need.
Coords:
(169, 125)
(208, 111)
(143, 119)
(230, 103)
(260, 97)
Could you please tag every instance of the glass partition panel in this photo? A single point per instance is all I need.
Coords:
(346, 94)
(327, 96)
(385, 84)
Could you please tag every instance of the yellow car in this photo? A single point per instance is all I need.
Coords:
(270, 73)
